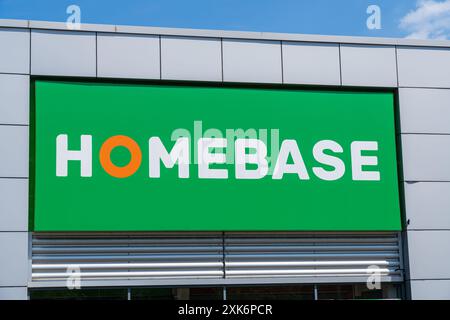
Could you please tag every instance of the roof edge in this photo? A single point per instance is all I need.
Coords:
(211, 33)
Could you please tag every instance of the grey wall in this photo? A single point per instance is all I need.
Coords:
(425, 127)
(420, 73)
(14, 120)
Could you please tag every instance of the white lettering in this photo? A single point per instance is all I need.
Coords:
(290, 147)
(179, 153)
(358, 160)
(258, 158)
(205, 158)
(63, 155)
(321, 157)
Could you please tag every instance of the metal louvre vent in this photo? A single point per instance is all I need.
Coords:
(312, 254)
(215, 257)
(103, 256)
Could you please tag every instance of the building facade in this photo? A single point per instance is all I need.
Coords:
(36, 259)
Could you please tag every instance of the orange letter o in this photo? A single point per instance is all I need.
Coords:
(111, 168)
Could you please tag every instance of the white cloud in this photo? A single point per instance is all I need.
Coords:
(429, 20)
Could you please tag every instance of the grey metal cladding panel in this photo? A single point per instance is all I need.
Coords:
(13, 293)
(311, 63)
(368, 65)
(63, 53)
(423, 67)
(14, 151)
(184, 58)
(55, 25)
(14, 99)
(424, 110)
(430, 289)
(429, 254)
(13, 204)
(426, 157)
(14, 50)
(14, 23)
(428, 205)
(256, 61)
(14, 266)
(128, 56)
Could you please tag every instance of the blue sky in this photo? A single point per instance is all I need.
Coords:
(399, 18)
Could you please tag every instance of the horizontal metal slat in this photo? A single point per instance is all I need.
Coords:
(104, 249)
(362, 271)
(312, 248)
(310, 263)
(127, 274)
(128, 265)
(312, 255)
(237, 241)
(42, 258)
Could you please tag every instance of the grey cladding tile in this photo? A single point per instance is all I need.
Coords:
(364, 65)
(430, 289)
(63, 53)
(14, 267)
(428, 205)
(14, 99)
(185, 58)
(128, 56)
(311, 63)
(428, 254)
(14, 50)
(424, 110)
(252, 61)
(423, 67)
(13, 204)
(13, 293)
(426, 157)
(14, 151)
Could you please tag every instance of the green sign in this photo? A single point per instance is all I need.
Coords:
(123, 157)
